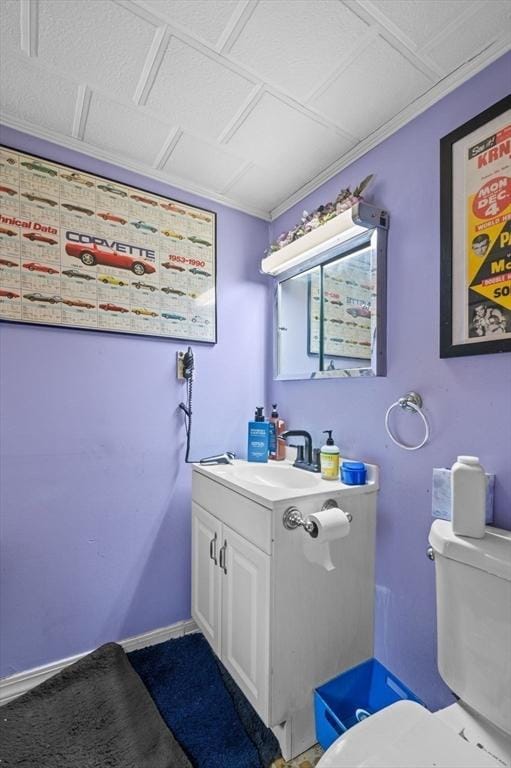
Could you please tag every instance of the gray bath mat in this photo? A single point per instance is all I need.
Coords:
(96, 713)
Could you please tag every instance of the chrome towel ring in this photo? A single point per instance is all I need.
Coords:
(410, 402)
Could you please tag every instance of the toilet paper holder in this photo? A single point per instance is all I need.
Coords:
(292, 519)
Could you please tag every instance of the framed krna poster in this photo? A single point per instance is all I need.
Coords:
(475, 231)
(82, 251)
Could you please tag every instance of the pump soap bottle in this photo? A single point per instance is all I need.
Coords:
(277, 444)
(258, 437)
(329, 458)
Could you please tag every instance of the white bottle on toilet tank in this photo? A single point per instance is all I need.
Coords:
(468, 497)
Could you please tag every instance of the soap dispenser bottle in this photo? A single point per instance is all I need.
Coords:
(329, 458)
(277, 427)
(258, 437)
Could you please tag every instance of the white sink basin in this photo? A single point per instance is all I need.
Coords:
(276, 476)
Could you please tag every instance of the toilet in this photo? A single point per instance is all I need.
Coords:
(473, 587)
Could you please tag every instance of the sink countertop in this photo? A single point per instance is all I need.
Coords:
(267, 495)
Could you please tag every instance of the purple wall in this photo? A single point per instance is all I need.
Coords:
(95, 498)
(94, 495)
(466, 400)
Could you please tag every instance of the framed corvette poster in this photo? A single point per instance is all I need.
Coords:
(81, 251)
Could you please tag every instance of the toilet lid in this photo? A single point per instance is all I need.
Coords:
(404, 735)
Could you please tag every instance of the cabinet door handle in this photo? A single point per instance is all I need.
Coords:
(212, 549)
(222, 557)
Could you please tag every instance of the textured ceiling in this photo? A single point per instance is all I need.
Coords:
(250, 102)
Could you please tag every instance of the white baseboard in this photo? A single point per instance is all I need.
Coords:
(13, 686)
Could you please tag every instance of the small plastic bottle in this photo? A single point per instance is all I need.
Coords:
(277, 444)
(468, 497)
(329, 457)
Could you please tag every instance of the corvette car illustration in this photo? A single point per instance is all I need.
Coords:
(198, 240)
(172, 233)
(199, 319)
(8, 232)
(202, 272)
(9, 294)
(171, 265)
(78, 208)
(199, 216)
(7, 263)
(40, 297)
(37, 199)
(78, 303)
(174, 291)
(40, 238)
(359, 311)
(35, 165)
(144, 285)
(112, 217)
(145, 200)
(33, 266)
(77, 178)
(113, 308)
(111, 280)
(112, 190)
(172, 316)
(142, 311)
(143, 225)
(7, 191)
(77, 273)
(91, 254)
(173, 208)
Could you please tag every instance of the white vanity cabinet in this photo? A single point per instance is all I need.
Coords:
(231, 602)
(280, 623)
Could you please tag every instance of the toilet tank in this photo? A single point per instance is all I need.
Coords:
(473, 598)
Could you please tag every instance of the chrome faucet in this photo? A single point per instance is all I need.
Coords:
(311, 460)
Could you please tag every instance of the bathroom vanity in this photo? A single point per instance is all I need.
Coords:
(281, 623)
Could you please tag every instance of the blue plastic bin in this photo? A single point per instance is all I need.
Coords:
(353, 696)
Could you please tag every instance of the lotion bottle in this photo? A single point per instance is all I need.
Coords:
(258, 437)
(468, 497)
(277, 427)
(329, 458)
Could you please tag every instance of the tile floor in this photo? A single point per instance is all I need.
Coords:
(308, 760)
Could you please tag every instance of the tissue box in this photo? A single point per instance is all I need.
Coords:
(441, 495)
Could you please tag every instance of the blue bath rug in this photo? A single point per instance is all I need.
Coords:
(203, 707)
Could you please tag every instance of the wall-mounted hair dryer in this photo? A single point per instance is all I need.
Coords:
(185, 365)
(185, 372)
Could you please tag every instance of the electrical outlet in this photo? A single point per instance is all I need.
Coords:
(179, 366)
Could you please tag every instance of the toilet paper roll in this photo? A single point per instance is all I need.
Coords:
(331, 524)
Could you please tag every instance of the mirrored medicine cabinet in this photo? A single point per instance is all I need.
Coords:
(330, 299)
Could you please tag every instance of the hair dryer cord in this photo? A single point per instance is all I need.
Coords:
(187, 411)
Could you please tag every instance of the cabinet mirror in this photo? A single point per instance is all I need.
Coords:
(330, 310)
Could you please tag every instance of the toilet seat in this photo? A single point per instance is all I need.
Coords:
(404, 735)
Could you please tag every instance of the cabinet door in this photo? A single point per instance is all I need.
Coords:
(245, 617)
(206, 583)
